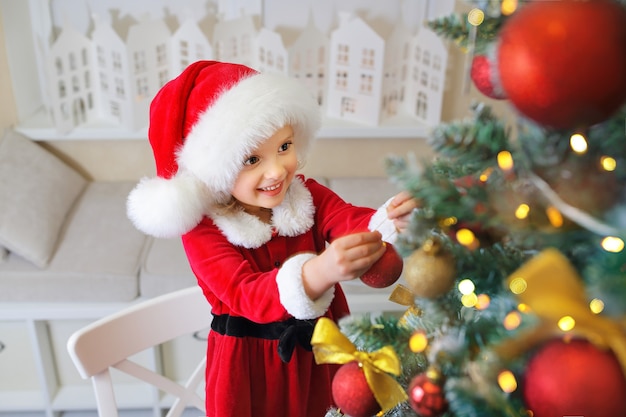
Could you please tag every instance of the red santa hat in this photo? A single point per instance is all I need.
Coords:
(203, 124)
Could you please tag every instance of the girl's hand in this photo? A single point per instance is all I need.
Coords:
(400, 208)
(346, 258)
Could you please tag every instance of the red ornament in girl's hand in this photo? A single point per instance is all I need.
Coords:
(385, 271)
(351, 392)
(562, 63)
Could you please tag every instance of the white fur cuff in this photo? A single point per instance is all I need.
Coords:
(292, 294)
(381, 222)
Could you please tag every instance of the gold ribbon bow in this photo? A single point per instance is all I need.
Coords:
(331, 346)
(553, 289)
(403, 296)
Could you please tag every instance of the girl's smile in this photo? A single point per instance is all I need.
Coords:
(267, 173)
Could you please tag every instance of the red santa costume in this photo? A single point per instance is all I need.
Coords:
(203, 124)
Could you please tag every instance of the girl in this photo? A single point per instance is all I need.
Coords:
(268, 246)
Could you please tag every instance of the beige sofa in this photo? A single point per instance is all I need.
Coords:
(66, 239)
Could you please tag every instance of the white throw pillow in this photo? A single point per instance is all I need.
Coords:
(37, 191)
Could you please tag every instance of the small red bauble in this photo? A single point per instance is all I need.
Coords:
(482, 74)
(574, 379)
(385, 271)
(352, 394)
(426, 396)
(562, 63)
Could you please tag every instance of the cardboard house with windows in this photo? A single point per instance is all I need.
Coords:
(270, 53)
(355, 71)
(397, 48)
(70, 86)
(111, 75)
(188, 44)
(308, 60)
(427, 69)
(148, 46)
(234, 40)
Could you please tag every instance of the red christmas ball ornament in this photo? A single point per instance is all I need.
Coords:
(352, 394)
(562, 63)
(385, 271)
(482, 73)
(426, 395)
(574, 379)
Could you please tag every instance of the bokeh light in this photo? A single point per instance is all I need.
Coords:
(578, 143)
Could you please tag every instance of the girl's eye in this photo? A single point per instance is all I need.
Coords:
(285, 146)
(251, 161)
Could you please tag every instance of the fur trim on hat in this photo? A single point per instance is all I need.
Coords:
(167, 208)
(239, 120)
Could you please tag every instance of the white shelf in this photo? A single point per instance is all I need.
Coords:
(39, 127)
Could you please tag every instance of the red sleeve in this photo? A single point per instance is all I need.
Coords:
(229, 277)
(334, 217)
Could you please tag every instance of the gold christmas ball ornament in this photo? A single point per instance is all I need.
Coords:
(430, 271)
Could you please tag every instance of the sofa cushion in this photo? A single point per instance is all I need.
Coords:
(98, 256)
(37, 190)
(165, 268)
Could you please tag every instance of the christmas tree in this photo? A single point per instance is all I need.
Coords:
(515, 265)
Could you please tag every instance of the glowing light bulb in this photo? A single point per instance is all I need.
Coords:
(469, 300)
(505, 160)
(608, 163)
(508, 7)
(475, 17)
(612, 244)
(554, 216)
(521, 212)
(418, 342)
(466, 286)
(483, 302)
(578, 143)
(566, 323)
(596, 306)
(512, 320)
(466, 238)
(449, 221)
(484, 176)
(507, 381)
(518, 285)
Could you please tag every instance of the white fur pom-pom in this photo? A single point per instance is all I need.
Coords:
(167, 208)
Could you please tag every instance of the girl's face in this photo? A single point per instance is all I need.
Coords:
(267, 173)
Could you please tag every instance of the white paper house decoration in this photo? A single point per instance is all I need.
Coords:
(111, 76)
(271, 54)
(148, 45)
(234, 40)
(70, 88)
(355, 71)
(188, 45)
(427, 68)
(396, 65)
(308, 60)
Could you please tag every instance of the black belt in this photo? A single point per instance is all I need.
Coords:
(288, 333)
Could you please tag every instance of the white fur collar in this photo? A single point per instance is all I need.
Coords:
(292, 217)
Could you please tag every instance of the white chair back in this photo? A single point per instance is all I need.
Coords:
(109, 342)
